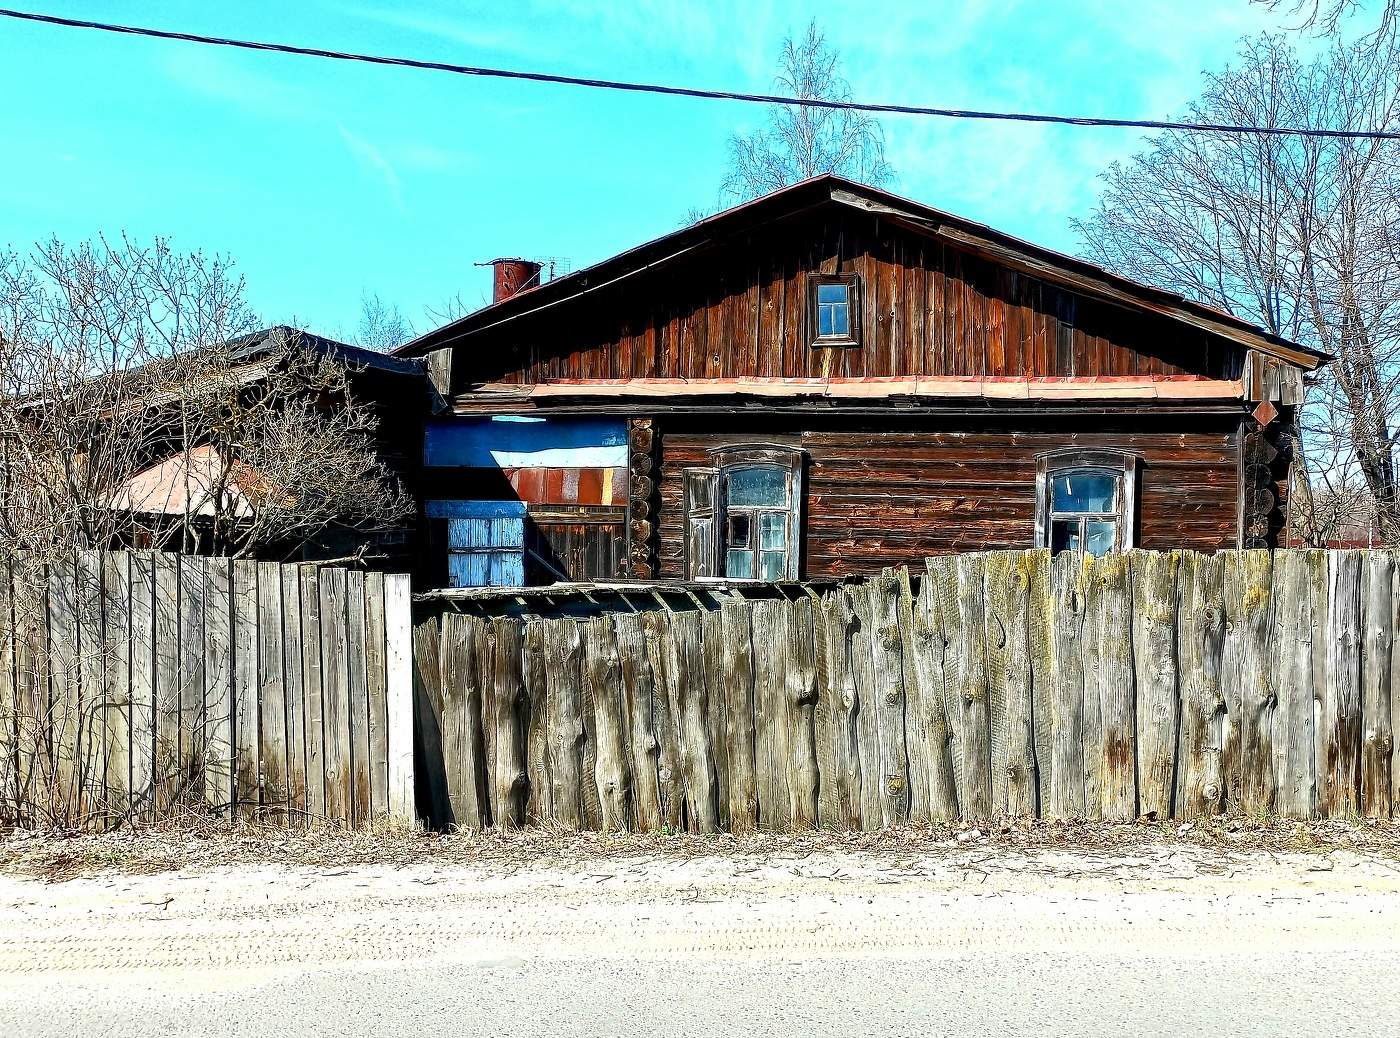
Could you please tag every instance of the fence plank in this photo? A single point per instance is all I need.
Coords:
(668, 766)
(717, 706)
(937, 692)
(800, 703)
(357, 687)
(887, 662)
(1066, 700)
(770, 730)
(562, 669)
(65, 711)
(1395, 687)
(32, 719)
(143, 685)
(603, 675)
(1339, 714)
(398, 690)
(1041, 645)
(462, 741)
(483, 657)
(736, 687)
(427, 725)
(170, 722)
(10, 800)
(1249, 697)
(838, 755)
(687, 697)
(1293, 683)
(190, 679)
(973, 724)
(509, 723)
(218, 684)
(592, 801)
(1200, 643)
(272, 694)
(867, 715)
(92, 739)
(1378, 618)
(116, 682)
(1010, 682)
(293, 681)
(539, 802)
(376, 675)
(335, 693)
(1154, 589)
(1113, 764)
(308, 599)
(246, 783)
(635, 674)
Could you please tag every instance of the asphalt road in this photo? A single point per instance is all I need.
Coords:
(1164, 943)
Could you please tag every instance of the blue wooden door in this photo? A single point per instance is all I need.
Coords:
(485, 542)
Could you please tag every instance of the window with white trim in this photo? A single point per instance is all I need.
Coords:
(742, 514)
(1086, 501)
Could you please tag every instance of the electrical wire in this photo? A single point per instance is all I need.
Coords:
(698, 92)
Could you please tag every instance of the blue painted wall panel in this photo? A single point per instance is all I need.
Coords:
(541, 443)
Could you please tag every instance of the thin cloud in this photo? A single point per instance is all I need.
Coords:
(374, 160)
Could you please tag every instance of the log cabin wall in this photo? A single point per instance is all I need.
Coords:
(882, 492)
(926, 308)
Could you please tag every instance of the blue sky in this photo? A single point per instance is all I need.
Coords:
(326, 181)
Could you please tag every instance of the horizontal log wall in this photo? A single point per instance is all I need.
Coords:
(139, 685)
(1171, 684)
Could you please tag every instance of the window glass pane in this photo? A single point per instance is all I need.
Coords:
(1084, 490)
(757, 485)
(841, 320)
(772, 531)
(824, 320)
(738, 563)
(1064, 535)
(832, 293)
(774, 564)
(1099, 536)
(739, 530)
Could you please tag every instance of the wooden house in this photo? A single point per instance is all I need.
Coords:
(831, 379)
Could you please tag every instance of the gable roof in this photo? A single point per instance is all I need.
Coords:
(255, 345)
(1070, 272)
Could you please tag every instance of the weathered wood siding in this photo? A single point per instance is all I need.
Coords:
(927, 308)
(168, 683)
(1174, 684)
(889, 493)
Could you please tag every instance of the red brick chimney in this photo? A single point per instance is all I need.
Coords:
(513, 276)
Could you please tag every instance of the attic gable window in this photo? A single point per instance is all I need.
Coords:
(1086, 501)
(742, 514)
(833, 309)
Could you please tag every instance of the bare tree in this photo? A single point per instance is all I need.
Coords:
(1325, 17)
(382, 325)
(800, 142)
(1298, 234)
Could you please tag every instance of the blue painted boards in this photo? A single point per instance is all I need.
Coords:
(485, 542)
(509, 442)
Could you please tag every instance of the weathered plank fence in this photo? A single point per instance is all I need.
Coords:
(138, 684)
(1004, 683)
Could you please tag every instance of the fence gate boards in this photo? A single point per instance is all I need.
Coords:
(1168, 683)
(136, 684)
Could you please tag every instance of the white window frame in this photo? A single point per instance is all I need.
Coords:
(707, 522)
(1121, 464)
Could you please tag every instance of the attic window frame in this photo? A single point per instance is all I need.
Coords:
(814, 336)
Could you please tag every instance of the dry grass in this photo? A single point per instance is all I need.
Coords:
(195, 842)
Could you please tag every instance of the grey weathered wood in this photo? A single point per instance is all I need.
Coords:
(1111, 685)
(1338, 733)
(1091, 719)
(308, 601)
(563, 671)
(462, 741)
(376, 676)
(190, 679)
(1010, 683)
(1394, 689)
(737, 690)
(218, 677)
(717, 705)
(973, 730)
(272, 696)
(32, 709)
(11, 802)
(65, 711)
(294, 691)
(671, 784)
(427, 720)
(838, 755)
(591, 800)
(143, 687)
(92, 734)
(1066, 699)
(245, 682)
(1249, 694)
(1041, 646)
(634, 672)
(1199, 646)
(1293, 684)
(866, 716)
(170, 722)
(1154, 588)
(508, 721)
(770, 730)
(1378, 647)
(357, 686)
(687, 697)
(539, 802)
(612, 768)
(887, 667)
(800, 736)
(335, 695)
(398, 691)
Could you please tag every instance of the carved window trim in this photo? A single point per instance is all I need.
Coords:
(814, 337)
(1123, 465)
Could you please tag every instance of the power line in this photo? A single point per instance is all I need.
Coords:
(680, 91)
